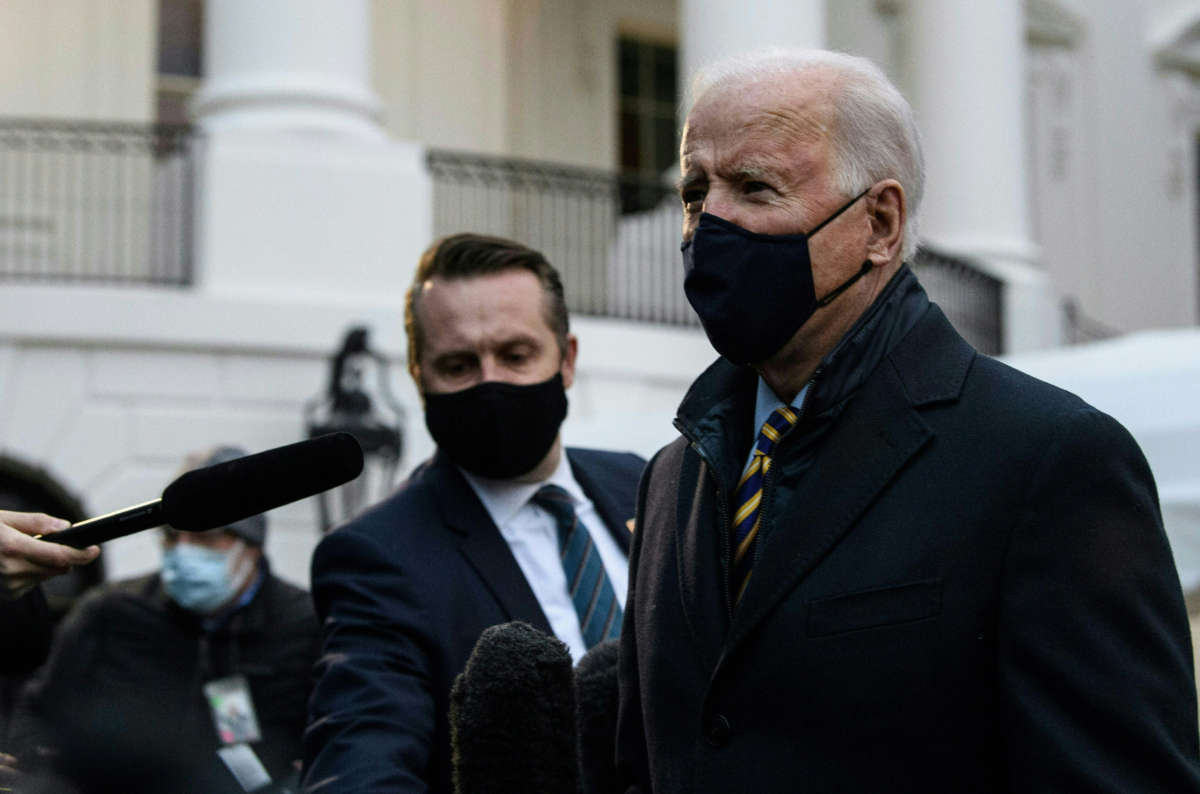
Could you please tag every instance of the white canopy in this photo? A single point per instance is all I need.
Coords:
(1149, 382)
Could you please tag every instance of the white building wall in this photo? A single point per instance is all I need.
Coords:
(440, 69)
(526, 78)
(78, 59)
(110, 388)
(562, 90)
(1134, 197)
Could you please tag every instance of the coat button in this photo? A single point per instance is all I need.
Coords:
(719, 730)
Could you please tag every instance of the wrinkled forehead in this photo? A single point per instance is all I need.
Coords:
(796, 106)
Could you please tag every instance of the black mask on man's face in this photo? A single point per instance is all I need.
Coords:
(753, 291)
(496, 429)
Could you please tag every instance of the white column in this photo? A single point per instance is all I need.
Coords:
(302, 198)
(288, 64)
(712, 29)
(969, 86)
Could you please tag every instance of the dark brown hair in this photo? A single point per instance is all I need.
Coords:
(461, 256)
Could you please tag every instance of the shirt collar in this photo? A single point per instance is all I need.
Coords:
(766, 401)
(504, 498)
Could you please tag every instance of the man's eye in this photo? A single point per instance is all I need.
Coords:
(756, 187)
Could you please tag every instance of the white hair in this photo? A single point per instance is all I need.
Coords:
(875, 135)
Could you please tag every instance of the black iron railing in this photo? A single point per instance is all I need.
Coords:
(972, 299)
(113, 203)
(613, 264)
(92, 202)
(628, 265)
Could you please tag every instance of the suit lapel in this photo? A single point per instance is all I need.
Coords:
(611, 509)
(878, 434)
(484, 547)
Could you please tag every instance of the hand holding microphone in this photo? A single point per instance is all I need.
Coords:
(26, 561)
(219, 495)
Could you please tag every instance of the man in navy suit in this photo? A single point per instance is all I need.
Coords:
(875, 560)
(499, 525)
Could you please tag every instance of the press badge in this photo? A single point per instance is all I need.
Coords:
(245, 767)
(232, 709)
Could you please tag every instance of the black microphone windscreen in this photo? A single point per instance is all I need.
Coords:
(598, 700)
(512, 715)
(217, 496)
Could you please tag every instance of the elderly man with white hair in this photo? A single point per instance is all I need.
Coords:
(876, 560)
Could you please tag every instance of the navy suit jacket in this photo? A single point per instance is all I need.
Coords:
(403, 593)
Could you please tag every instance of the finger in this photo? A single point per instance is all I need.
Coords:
(15, 546)
(33, 523)
(78, 556)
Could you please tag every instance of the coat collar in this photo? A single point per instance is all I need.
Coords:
(864, 427)
(714, 413)
(879, 432)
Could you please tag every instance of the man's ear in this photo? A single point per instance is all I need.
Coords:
(568, 362)
(887, 211)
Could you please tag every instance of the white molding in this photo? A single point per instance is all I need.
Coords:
(1175, 41)
(1053, 23)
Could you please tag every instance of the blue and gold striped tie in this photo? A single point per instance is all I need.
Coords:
(588, 584)
(749, 498)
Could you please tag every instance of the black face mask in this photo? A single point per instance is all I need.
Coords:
(495, 429)
(753, 291)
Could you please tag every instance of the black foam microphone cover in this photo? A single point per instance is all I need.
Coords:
(597, 702)
(224, 493)
(512, 715)
(219, 495)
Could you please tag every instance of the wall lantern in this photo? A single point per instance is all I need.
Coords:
(365, 407)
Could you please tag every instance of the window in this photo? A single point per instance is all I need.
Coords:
(649, 97)
(180, 56)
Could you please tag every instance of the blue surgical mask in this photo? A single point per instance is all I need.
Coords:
(203, 580)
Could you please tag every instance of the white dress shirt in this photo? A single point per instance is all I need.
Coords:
(532, 535)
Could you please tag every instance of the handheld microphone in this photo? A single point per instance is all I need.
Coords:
(598, 699)
(219, 495)
(512, 715)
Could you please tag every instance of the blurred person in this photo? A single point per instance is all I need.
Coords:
(26, 626)
(876, 560)
(499, 525)
(25, 622)
(151, 677)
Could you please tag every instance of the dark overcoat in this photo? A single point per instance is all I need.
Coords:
(965, 587)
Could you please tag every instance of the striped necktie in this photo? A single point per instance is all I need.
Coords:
(588, 584)
(749, 498)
